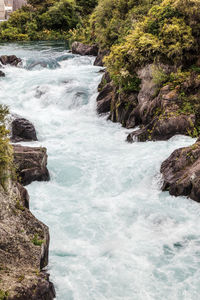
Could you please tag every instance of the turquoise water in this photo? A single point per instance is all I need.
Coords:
(114, 234)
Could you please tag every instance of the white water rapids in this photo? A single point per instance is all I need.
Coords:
(114, 234)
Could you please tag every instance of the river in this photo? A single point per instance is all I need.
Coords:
(114, 234)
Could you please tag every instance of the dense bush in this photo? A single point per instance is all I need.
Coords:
(86, 6)
(62, 15)
(112, 19)
(168, 33)
(44, 20)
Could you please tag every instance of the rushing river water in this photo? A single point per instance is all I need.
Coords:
(114, 234)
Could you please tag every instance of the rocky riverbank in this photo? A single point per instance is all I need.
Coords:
(162, 108)
(24, 243)
(24, 240)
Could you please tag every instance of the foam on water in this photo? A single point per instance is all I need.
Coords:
(114, 234)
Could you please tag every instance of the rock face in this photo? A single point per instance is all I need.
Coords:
(10, 60)
(23, 130)
(24, 243)
(181, 172)
(161, 110)
(99, 59)
(82, 49)
(104, 98)
(31, 163)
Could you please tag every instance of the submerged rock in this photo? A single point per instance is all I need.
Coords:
(181, 172)
(2, 74)
(82, 49)
(31, 163)
(24, 243)
(10, 60)
(22, 130)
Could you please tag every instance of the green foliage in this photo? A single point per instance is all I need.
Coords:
(61, 15)
(49, 19)
(86, 6)
(19, 205)
(159, 76)
(113, 19)
(36, 241)
(163, 35)
(6, 153)
(3, 295)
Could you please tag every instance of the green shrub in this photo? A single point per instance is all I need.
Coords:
(3, 295)
(62, 15)
(44, 20)
(6, 152)
(164, 35)
(86, 6)
(36, 241)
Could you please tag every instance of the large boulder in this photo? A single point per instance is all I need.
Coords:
(10, 60)
(82, 49)
(24, 244)
(22, 130)
(181, 172)
(31, 164)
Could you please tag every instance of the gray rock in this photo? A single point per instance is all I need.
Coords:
(22, 130)
(31, 163)
(82, 49)
(10, 60)
(181, 172)
(99, 59)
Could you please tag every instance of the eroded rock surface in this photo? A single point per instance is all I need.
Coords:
(31, 163)
(181, 172)
(161, 110)
(22, 130)
(82, 49)
(24, 243)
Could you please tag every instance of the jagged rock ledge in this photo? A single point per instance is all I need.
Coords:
(24, 243)
(181, 172)
(31, 163)
(159, 111)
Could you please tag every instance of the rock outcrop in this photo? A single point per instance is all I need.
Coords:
(31, 164)
(105, 94)
(161, 110)
(22, 130)
(82, 49)
(24, 243)
(181, 172)
(10, 60)
(99, 59)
